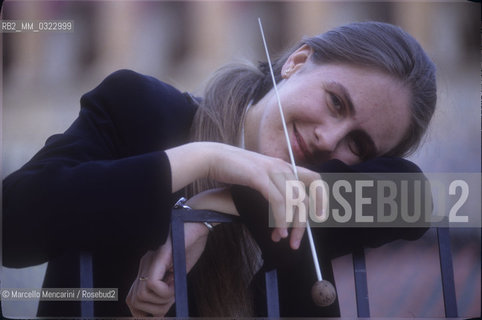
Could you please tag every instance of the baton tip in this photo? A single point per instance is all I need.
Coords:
(323, 293)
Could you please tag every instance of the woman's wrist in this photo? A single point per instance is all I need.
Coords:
(190, 162)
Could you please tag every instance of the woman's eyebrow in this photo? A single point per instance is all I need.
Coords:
(345, 95)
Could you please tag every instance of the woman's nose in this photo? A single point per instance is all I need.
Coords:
(328, 138)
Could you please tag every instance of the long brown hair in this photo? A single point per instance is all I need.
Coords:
(221, 277)
(220, 280)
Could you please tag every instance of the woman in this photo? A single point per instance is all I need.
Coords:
(351, 96)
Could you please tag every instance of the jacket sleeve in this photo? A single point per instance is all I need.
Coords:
(105, 182)
(334, 242)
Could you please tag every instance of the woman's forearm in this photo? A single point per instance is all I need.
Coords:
(189, 162)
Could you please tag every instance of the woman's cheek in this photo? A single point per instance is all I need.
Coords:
(347, 157)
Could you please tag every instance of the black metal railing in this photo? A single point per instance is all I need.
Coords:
(180, 216)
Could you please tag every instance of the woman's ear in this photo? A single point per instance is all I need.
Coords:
(296, 60)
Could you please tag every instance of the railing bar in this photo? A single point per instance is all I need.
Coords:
(204, 215)
(447, 273)
(86, 281)
(361, 285)
(272, 298)
(179, 264)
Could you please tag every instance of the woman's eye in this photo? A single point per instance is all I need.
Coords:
(336, 102)
(357, 148)
(361, 145)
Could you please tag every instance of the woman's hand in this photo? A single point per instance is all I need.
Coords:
(232, 165)
(152, 293)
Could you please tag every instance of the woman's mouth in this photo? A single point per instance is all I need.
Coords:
(300, 149)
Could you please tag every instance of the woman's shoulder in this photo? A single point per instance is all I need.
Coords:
(129, 91)
(123, 75)
(130, 77)
(124, 82)
(133, 106)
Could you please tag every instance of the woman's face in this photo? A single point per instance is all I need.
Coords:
(331, 111)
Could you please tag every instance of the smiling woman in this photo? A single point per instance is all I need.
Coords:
(352, 96)
(386, 91)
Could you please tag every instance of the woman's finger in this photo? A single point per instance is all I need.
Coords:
(157, 310)
(307, 192)
(149, 290)
(156, 292)
(150, 297)
(132, 300)
(285, 188)
(278, 210)
(318, 195)
(298, 228)
(161, 290)
(138, 313)
(161, 261)
(144, 264)
(138, 285)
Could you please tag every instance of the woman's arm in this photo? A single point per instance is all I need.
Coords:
(97, 204)
(232, 165)
(106, 181)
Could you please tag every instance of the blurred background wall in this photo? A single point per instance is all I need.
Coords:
(180, 42)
